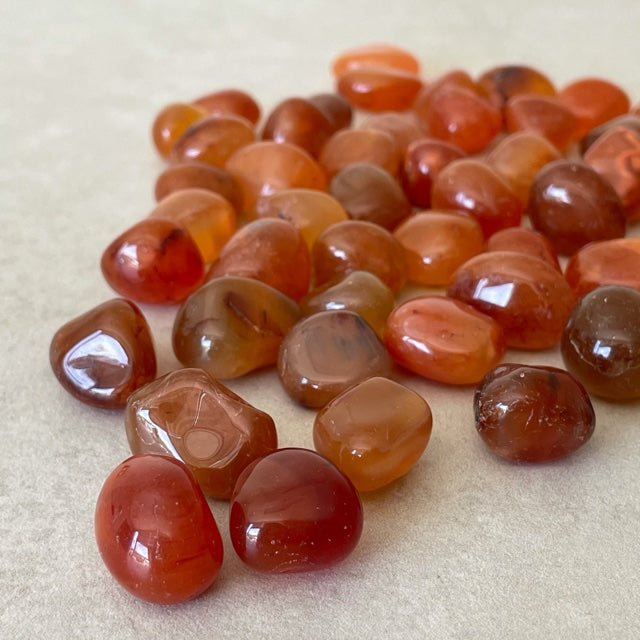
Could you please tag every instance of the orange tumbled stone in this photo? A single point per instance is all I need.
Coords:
(374, 432)
(230, 101)
(524, 240)
(172, 122)
(335, 107)
(505, 81)
(188, 415)
(378, 55)
(455, 78)
(444, 339)
(628, 120)
(404, 127)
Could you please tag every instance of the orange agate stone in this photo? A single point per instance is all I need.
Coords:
(335, 107)
(376, 55)
(171, 123)
(524, 240)
(230, 101)
(505, 81)
(403, 127)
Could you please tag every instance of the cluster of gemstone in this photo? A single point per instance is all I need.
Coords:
(289, 246)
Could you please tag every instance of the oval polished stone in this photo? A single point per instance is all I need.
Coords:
(601, 342)
(524, 240)
(525, 295)
(532, 413)
(293, 511)
(328, 352)
(374, 432)
(103, 355)
(171, 123)
(335, 107)
(505, 81)
(230, 101)
(404, 127)
(155, 531)
(378, 55)
(232, 325)
(190, 416)
(443, 339)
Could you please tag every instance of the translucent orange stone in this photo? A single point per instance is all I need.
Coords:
(474, 187)
(505, 81)
(356, 244)
(271, 250)
(208, 217)
(368, 192)
(374, 432)
(309, 210)
(188, 415)
(155, 531)
(525, 295)
(524, 240)
(328, 352)
(103, 355)
(572, 205)
(213, 140)
(262, 168)
(532, 413)
(231, 326)
(378, 55)
(403, 127)
(358, 291)
(444, 339)
(154, 261)
(230, 101)
(607, 262)
(436, 243)
(518, 157)
(455, 78)
(171, 123)
(628, 120)
(335, 107)
(349, 146)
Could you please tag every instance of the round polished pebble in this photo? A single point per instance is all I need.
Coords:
(377, 55)
(335, 107)
(172, 122)
(374, 432)
(328, 352)
(230, 101)
(505, 81)
(532, 413)
(404, 127)
(524, 240)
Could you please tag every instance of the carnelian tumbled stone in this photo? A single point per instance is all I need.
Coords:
(154, 261)
(335, 107)
(103, 355)
(532, 413)
(376, 55)
(328, 352)
(171, 123)
(502, 82)
(601, 342)
(190, 416)
(232, 325)
(374, 432)
(230, 101)
(293, 511)
(525, 295)
(524, 240)
(404, 127)
(444, 339)
(155, 531)
(628, 120)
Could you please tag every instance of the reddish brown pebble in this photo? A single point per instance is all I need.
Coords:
(230, 101)
(171, 123)
(328, 352)
(374, 432)
(188, 415)
(404, 127)
(502, 82)
(443, 339)
(524, 240)
(335, 107)
(377, 55)
(532, 413)
(103, 355)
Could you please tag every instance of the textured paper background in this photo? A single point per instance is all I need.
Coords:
(466, 546)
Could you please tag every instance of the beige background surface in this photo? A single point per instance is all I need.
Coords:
(466, 546)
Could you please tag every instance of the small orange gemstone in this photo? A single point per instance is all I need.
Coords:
(378, 55)
(335, 107)
(230, 101)
(403, 127)
(172, 122)
(503, 82)
(524, 240)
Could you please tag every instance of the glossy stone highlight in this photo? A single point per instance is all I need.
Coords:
(377, 55)
(171, 123)
(230, 101)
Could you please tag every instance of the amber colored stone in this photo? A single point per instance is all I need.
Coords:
(472, 186)
(188, 415)
(615, 155)
(154, 261)
(532, 413)
(423, 161)
(231, 326)
(377, 55)
(300, 122)
(601, 342)
(103, 355)
(374, 432)
(171, 123)
(436, 243)
(444, 339)
(525, 295)
(207, 216)
(309, 210)
(505, 81)
(404, 127)
(155, 531)
(607, 262)
(358, 291)
(368, 192)
(356, 244)
(294, 511)
(349, 146)
(544, 115)
(213, 140)
(196, 175)
(593, 101)
(455, 78)
(628, 120)
(335, 107)
(572, 205)
(328, 352)
(262, 168)
(518, 157)
(230, 101)
(524, 240)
